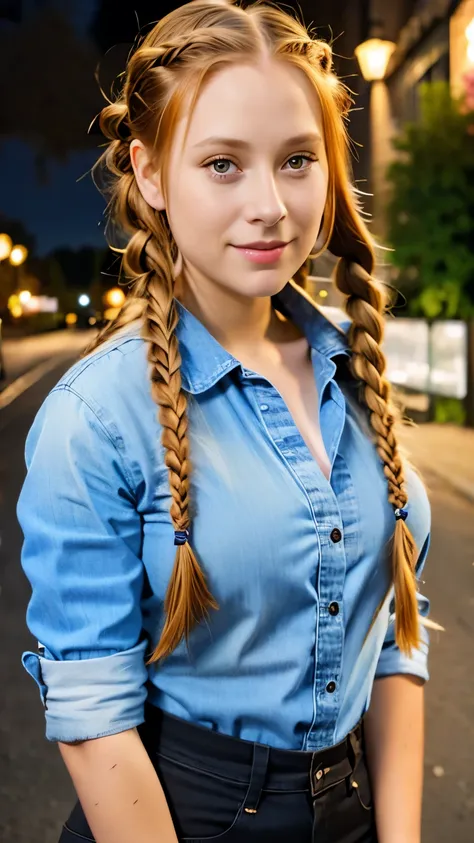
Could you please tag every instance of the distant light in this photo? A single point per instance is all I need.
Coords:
(71, 318)
(373, 56)
(92, 320)
(6, 246)
(323, 294)
(84, 300)
(24, 296)
(18, 255)
(16, 311)
(115, 297)
(470, 39)
(111, 313)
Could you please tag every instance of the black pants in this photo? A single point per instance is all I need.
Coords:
(223, 789)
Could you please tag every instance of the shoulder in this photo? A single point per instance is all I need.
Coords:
(111, 377)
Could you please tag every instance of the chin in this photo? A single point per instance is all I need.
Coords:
(268, 282)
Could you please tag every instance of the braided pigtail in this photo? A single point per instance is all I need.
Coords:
(365, 305)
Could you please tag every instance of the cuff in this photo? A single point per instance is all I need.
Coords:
(91, 698)
(393, 662)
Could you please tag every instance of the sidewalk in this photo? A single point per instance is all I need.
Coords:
(447, 451)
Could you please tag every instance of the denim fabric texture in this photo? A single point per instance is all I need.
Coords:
(290, 657)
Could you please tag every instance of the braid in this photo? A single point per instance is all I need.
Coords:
(366, 303)
(188, 598)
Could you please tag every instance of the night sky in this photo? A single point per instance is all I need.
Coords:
(61, 212)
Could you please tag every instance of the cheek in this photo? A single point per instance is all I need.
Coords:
(309, 203)
(196, 211)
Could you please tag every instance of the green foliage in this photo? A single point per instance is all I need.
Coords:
(431, 213)
(448, 410)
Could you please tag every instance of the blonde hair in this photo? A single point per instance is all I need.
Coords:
(173, 60)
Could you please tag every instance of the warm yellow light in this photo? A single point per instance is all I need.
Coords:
(115, 297)
(24, 296)
(18, 255)
(470, 40)
(6, 246)
(373, 56)
(323, 294)
(111, 313)
(13, 301)
(71, 318)
(16, 311)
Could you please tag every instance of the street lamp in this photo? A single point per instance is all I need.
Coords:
(18, 255)
(373, 57)
(6, 246)
(115, 297)
(84, 300)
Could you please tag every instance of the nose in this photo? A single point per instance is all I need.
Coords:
(265, 202)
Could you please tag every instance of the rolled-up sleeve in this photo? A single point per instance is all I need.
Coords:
(392, 661)
(81, 555)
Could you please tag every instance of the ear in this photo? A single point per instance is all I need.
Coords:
(148, 178)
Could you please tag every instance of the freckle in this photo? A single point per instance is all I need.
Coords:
(95, 804)
(136, 800)
(112, 768)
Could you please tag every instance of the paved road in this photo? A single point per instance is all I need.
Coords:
(35, 792)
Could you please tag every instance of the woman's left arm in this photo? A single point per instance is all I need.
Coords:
(394, 729)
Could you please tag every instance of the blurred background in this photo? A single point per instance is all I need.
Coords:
(410, 64)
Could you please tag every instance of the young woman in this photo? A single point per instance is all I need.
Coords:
(221, 589)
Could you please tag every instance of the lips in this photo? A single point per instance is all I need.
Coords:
(264, 245)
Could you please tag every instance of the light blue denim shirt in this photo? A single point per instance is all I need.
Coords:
(290, 657)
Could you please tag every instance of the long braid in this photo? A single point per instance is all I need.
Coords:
(366, 305)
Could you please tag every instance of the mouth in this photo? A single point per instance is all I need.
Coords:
(264, 245)
(263, 251)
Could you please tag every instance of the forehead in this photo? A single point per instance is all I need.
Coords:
(263, 103)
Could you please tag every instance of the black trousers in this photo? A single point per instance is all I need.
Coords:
(223, 789)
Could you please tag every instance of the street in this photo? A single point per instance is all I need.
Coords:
(35, 790)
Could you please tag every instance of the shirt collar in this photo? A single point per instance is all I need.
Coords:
(205, 361)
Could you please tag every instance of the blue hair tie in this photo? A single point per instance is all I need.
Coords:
(401, 513)
(181, 536)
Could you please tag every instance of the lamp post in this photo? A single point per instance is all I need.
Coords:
(374, 56)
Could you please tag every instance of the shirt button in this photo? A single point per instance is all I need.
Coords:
(336, 535)
(333, 609)
(264, 408)
(331, 687)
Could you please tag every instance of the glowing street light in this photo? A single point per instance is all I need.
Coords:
(470, 42)
(84, 300)
(18, 255)
(373, 57)
(24, 296)
(6, 246)
(115, 297)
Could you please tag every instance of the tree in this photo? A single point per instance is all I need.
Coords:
(431, 214)
(432, 207)
(48, 91)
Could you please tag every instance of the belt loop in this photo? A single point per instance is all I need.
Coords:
(261, 756)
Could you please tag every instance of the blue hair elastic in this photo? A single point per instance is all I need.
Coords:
(181, 536)
(401, 513)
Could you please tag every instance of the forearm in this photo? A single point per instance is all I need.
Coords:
(119, 790)
(395, 747)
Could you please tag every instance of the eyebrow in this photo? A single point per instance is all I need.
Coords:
(299, 140)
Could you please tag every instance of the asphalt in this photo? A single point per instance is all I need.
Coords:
(35, 791)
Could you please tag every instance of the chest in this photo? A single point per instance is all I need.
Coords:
(293, 377)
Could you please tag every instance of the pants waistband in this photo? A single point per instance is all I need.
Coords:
(246, 761)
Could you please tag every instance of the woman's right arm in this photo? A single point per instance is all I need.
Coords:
(82, 555)
(119, 790)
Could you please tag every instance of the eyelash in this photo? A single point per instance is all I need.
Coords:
(308, 156)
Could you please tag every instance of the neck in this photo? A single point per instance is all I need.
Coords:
(236, 321)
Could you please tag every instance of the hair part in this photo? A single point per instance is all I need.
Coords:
(174, 59)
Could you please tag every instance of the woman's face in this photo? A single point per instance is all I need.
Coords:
(251, 173)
